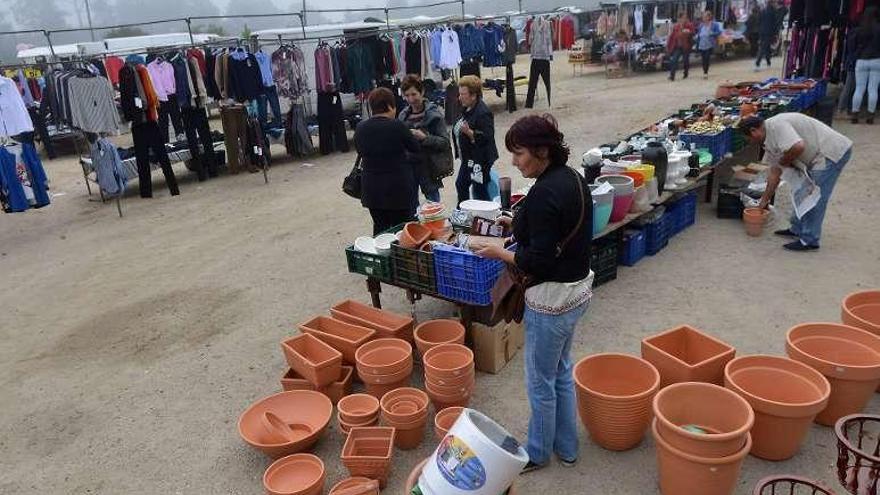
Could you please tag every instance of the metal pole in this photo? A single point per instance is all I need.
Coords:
(48, 36)
(302, 16)
(462, 9)
(192, 40)
(302, 22)
(387, 22)
(520, 6)
(89, 18)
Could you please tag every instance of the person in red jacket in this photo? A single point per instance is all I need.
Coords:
(679, 45)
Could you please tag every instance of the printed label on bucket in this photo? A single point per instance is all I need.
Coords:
(459, 465)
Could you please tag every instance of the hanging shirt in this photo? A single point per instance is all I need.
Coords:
(112, 66)
(92, 105)
(265, 68)
(109, 170)
(162, 75)
(14, 117)
(450, 52)
(436, 46)
(288, 70)
(541, 40)
(493, 45)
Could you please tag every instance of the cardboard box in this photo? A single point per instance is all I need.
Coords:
(495, 346)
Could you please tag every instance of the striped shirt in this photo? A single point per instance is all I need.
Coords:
(91, 105)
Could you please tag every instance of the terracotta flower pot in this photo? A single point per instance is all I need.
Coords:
(862, 310)
(614, 398)
(356, 408)
(413, 479)
(342, 336)
(383, 357)
(367, 452)
(444, 420)
(685, 354)
(409, 435)
(297, 474)
(682, 473)
(414, 400)
(385, 323)
(395, 377)
(357, 485)
(316, 361)
(335, 391)
(466, 380)
(346, 427)
(754, 220)
(441, 401)
(723, 417)
(378, 390)
(784, 394)
(453, 391)
(435, 332)
(847, 356)
(448, 362)
(306, 412)
(414, 235)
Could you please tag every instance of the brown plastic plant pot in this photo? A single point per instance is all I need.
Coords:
(448, 361)
(785, 395)
(383, 357)
(435, 332)
(413, 479)
(335, 391)
(415, 400)
(858, 451)
(444, 420)
(414, 235)
(367, 452)
(723, 415)
(385, 323)
(614, 393)
(297, 474)
(847, 356)
(307, 413)
(344, 337)
(685, 354)
(788, 484)
(314, 360)
(862, 310)
(358, 407)
(357, 485)
(682, 473)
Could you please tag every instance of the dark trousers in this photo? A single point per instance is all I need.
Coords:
(707, 59)
(685, 57)
(170, 110)
(463, 183)
(331, 125)
(764, 51)
(42, 131)
(539, 68)
(270, 98)
(385, 219)
(510, 88)
(195, 123)
(148, 138)
(753, 44)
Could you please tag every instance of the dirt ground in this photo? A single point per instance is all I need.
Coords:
(129, 347)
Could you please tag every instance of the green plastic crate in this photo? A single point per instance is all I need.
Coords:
(371, 265)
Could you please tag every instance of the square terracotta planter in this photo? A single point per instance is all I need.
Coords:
(685, 354)
(367, 452)
(386, 323)
(335, 391)
(316, 361)
(342, 336)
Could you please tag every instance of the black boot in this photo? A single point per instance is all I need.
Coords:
(870, 119)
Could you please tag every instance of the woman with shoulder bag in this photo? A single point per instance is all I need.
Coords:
(553, 232)
(428, 126)
(474, 137)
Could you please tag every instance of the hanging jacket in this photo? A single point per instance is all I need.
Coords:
(245, 79)
(109, 170)
(128, 92)
(12, 191)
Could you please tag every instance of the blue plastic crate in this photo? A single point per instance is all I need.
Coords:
(463, 276)
(682, 213)
(633, 247)
(657, 234)
(718, 144)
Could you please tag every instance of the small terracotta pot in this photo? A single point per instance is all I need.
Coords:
(685, 354)
(614, 398)
(448, 361)
(307, 412)
(335, 391)
(682, 473)
(754, 220)
(358, 407)
(414, 235)
(378, 390)
(342, 336)
(724, 416)
(786, 396)
(345, 426)
(414, 396)
(435, 332)
(367, 452)
(294, 475)
(444, 420)
(383, 357)
(385, 323)
(316, 361)
(847, 356)
(357, 485)
(862, 310)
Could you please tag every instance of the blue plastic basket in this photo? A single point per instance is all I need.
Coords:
(463, 276)
(633, 247)
(718, 144)
(682, 213)
(657, 234)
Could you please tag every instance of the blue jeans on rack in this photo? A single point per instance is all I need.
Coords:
(809, 227)
(550, 385)
(271, 97)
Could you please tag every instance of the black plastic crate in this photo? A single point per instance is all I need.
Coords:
(413, 268)
(603, 260)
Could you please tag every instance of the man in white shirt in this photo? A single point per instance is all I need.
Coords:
(795, 141)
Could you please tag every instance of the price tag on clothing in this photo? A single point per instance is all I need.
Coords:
(258, 151)
(336, 99)
(138, 103)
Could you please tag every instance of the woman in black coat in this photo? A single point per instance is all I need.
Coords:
(474, 137)
(388, 181)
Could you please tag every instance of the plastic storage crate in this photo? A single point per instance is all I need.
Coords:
(682, 213)
(657, 233)
(633, 249)
(718, 144)
(463, 276)
(603, 261)
(371, 265)
(413, 268)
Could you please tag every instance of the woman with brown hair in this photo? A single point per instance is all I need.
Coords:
(474, 135)
(426, 122)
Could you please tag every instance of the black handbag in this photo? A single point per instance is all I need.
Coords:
(351, 184)
(441, 165)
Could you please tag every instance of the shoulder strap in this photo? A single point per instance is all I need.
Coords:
(577, 226)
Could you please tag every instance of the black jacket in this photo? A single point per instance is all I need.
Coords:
(388, 181)
(482, 150)
(548, 215)
(127, 94)
(867, 41)
(245, 79)
(437, 140)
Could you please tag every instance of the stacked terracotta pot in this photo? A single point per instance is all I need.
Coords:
(435, 332)
(357, 410)
(406, 410)
(385, 323)
(444, 420)
(313, 359)
(702, 436)
(367, 452)
(614, 394)
(384, 365)
(450, 376)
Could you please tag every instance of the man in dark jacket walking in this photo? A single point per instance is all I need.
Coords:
(768, 29)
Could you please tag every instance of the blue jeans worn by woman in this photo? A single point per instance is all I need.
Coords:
(550, 385)
(677, 54)
(867, 79)
(809, 227)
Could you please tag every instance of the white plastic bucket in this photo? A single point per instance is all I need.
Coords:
(471, 461)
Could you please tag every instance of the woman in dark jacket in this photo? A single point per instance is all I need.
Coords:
(867, 68)
(474, 136)
(428, 126)
(388, 182)
(553, 232)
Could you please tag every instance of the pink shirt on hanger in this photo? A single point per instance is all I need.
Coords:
(162, 75)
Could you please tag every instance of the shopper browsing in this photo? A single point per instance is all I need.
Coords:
(553, 231)
(427, 124)
(707, 40)
(808, 151)
(769, 22)
(867, 52)
(679, 45)
(474, 135)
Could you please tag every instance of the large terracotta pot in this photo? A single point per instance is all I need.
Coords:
(685, 354)
(614, 398)
(383, 357)
(862, 310)
(683, 473)
(435, 332)
(316, 361)
(306, 412)
(786, 396)
(378, 390)
(404, 405)
(448, 361)
(297, 474)
(386, 323)
(847, 356)
(342, 336)
(414, 475)
(723, 417)
(367, 452)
